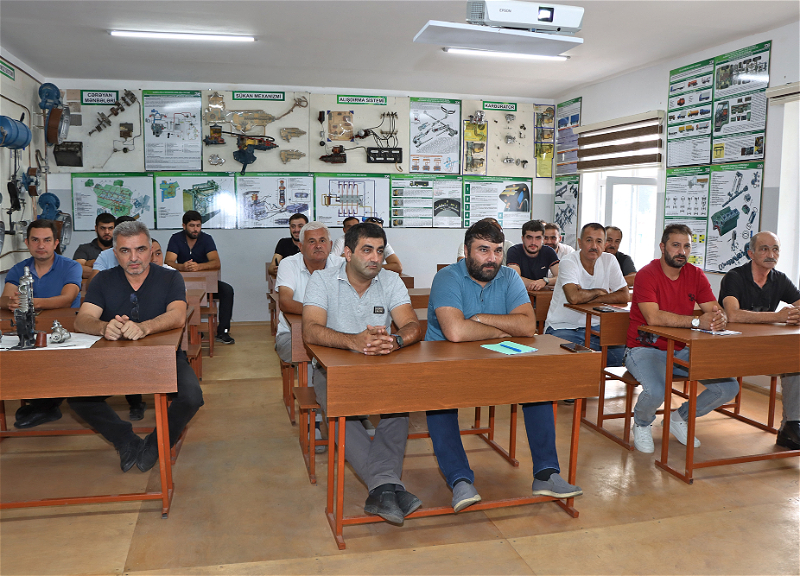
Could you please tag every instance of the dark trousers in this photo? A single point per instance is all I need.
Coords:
(225, 296)
(47, 404)
(185, 403)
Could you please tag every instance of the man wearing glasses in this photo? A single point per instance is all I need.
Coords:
(129, 302)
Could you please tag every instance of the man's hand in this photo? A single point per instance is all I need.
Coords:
(373, 341)
(190, 266)
(13, 301)
(534, 285)
(714, 320)
(113, 329)
(477, 319)
(133, 330)
(790, 315)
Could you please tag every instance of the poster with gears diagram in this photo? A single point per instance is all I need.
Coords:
(340, 196)
(119, 194)
(268, 199)
(172, 130)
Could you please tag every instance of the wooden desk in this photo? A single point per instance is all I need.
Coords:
(44, 319)
(407, 280)
(442, 375)
(62, 373)
(208, 278)
(422, 318)
(419, 297)
(540, 300)
(759, 349)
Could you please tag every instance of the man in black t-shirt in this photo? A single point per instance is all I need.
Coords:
(128, 302)
(613, 240)
(752, 293)
(288, 246)
(86, 254)
(532, 260)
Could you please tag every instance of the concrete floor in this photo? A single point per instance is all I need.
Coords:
(243, 503)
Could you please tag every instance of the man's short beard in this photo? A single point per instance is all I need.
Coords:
(672, 263)
(482, 273)
(104, 243)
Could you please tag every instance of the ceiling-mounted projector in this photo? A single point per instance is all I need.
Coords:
(534, 16)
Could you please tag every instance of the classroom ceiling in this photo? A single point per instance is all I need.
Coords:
(365, 44)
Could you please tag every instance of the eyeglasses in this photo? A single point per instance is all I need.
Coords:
(372, 219)
(134, 315)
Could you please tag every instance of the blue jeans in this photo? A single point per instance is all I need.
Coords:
(649, 367)
(578, 336)
(539, 426)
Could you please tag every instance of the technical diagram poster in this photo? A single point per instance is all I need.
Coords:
(568, 116)
(268, 199)
(687, 192)
(698, 227)
(476, 135)
(172, 135)
(565, 211)
(124, 194)
(689, 114)
(435, 138)
(507, 199)
(742, 71)
(734, 208)
(210, 193)
(426, 201)
(740, 113)
(738, 147)
(544, 139)
(339, 196)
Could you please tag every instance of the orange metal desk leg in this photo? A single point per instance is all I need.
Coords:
(164, 461)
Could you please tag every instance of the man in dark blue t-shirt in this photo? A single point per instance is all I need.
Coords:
(532, 260)
(192, 251)
(128, 302)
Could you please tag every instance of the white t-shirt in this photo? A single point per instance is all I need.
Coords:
(293, 274)
(506, 246)
(607, 275)
(563, 250)
(338, 249)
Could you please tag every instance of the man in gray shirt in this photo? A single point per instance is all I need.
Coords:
(352, 306)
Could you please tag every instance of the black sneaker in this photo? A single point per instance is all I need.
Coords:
(225, 338)
(137, 411)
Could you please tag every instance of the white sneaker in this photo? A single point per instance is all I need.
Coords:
(643, 439)
(680, 429)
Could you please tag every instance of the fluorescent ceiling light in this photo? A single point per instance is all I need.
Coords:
(181, 36)
(470, 52)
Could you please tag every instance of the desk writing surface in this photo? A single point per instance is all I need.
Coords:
(613, 325)
(760, 349)
(437, 375)
(209, 277)
(299, 352)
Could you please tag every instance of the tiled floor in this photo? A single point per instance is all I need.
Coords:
(243, 503)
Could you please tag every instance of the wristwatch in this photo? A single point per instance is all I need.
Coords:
(695, 322)
(546, 281)
(399, 340)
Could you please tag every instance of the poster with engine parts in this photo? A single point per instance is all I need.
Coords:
(689, 114)
(120, 194)
(568, 116)
(340, 196)
(476, 144)
(435, 135)
(268, 200)
(506, 199)
(544, 139)
(734, 213)
(565, 209)
(687, 192)
(426, 201)
(510, 143)
(172, 130)
(263, 129)
(213, 194)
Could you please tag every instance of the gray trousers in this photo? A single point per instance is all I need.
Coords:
(376, 461)
(790, 389)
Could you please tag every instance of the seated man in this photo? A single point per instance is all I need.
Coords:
(665, 293)
(507, 244)
(56, 284)
(192, 250)
(352, 306)
(338, 246)
(552, 238)
(87, 253)
(613, 239)
(586, 276)
(129, 302)
(157, 255)
(751, 294)
(477, 299)
(288, 246)
(532, 260)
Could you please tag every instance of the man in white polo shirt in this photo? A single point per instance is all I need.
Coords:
(589, 275)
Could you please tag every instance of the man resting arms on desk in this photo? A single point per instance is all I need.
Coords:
(751, 293)
(352, 306)
(532, 260)
(477, 299)
(129, 302)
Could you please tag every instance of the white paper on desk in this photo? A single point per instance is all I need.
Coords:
(76, 341)
(718, 332)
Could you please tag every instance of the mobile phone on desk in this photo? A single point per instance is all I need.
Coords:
(606, 309)
(572, 347)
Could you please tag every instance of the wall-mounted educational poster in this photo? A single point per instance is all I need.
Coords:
(426, 201)
(340, 196)
(120, 194)
(506, 199)
(739, 147)
(544, 139)
(476, 136)
(434, 135)
(689, 114)
(568, 116)
(213, 194)
(687, 192)
(565, 210)
(699, 245)
(734, 213)
(172, 130)
(268, 199)
(742, 71)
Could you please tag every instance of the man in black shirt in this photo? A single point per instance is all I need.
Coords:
(86, 254)
(751, 293)
(128, 302)
(613, 239)
(532, 260)
(288, 246)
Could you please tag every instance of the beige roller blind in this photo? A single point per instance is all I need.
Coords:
(630, 142)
